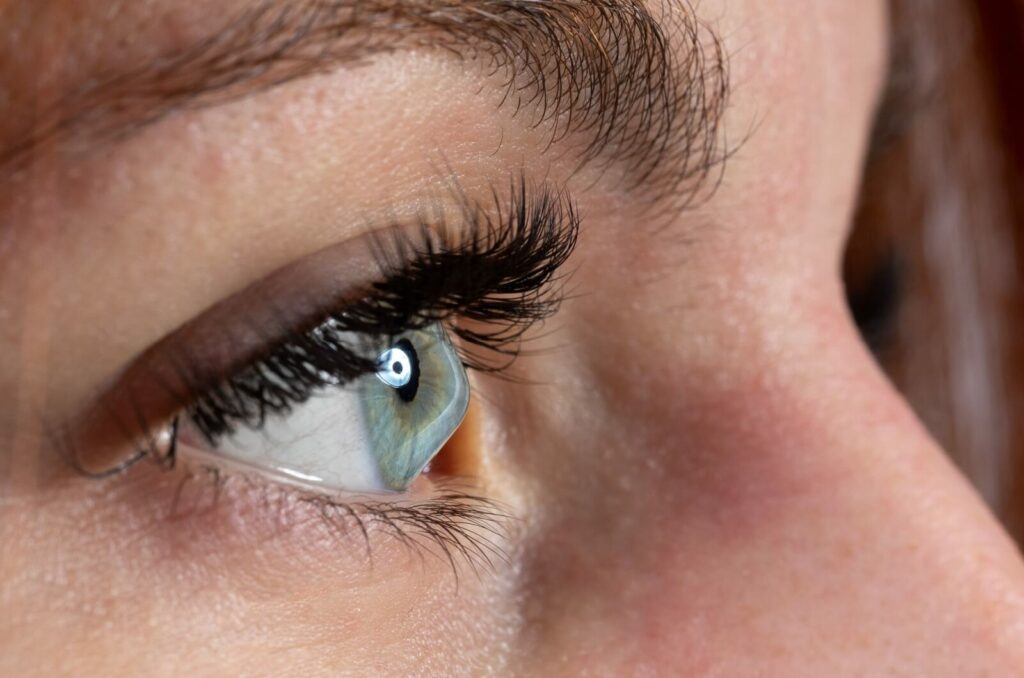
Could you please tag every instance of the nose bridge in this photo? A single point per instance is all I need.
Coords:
(780, 517)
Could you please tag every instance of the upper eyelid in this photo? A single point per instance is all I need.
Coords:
(259, 315)
(650, 90)
(197, 351)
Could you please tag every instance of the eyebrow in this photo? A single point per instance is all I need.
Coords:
(643, 91)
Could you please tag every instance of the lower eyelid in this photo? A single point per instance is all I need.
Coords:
(202, 513)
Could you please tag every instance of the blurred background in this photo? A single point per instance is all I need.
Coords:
(933, 268)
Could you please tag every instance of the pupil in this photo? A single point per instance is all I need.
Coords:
(397, 367)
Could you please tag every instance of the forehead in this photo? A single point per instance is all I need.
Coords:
(47, 44)
(649, 88)
(50, 48)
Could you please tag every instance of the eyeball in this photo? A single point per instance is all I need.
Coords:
(374, 435)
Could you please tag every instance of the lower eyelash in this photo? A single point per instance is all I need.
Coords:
(456, 525)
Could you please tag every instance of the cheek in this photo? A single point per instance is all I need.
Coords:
(247, 570)
(688, 507)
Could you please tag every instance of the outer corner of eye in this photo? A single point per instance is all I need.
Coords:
(375, 435)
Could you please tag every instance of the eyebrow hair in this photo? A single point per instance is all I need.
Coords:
(647, 92)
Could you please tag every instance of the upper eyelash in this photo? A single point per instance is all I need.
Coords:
(503, 275)
(508, 270)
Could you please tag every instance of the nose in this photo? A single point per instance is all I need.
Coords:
(764, 504)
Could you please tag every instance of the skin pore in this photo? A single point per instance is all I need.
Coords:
(699, 467)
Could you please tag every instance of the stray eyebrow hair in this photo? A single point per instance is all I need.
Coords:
(644, 91)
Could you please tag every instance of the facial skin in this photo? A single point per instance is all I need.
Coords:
(705, 473)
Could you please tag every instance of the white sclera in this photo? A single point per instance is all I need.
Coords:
(320, 442)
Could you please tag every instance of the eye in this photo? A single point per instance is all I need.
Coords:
(336, 372)
(374, 434)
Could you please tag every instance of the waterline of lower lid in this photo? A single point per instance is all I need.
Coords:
(300, 476)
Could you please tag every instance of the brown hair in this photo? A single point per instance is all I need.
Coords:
(941, 226)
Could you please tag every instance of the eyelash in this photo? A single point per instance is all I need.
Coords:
(503, 278)
(500, 270)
